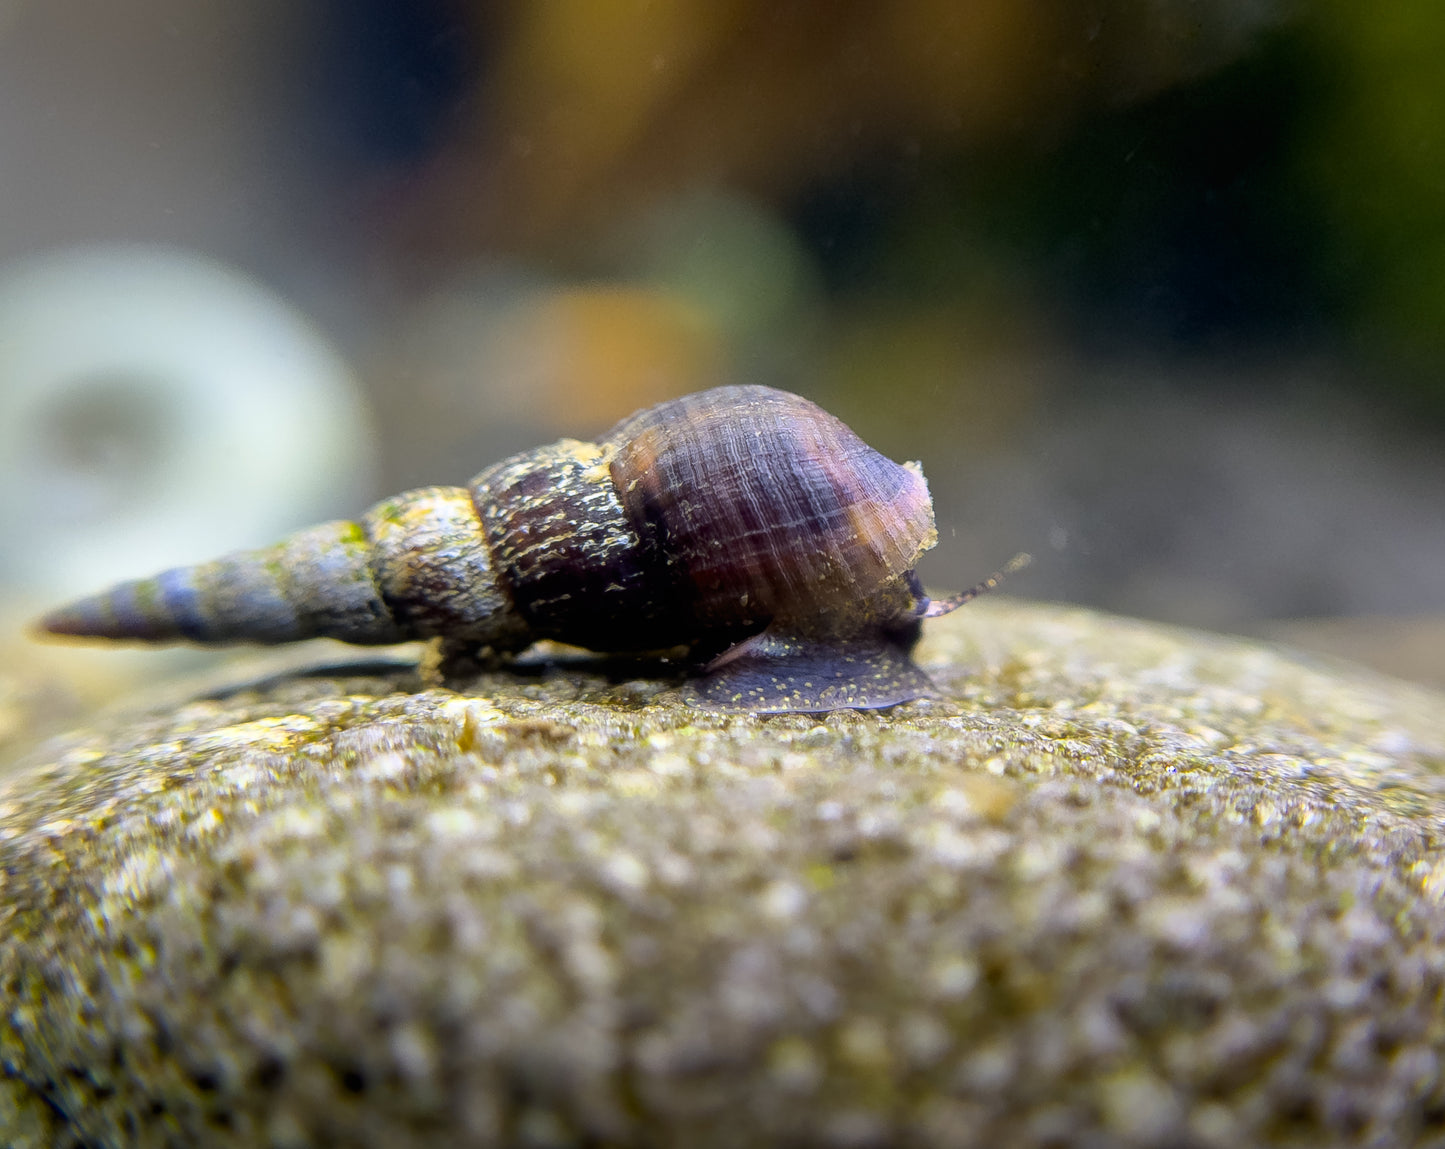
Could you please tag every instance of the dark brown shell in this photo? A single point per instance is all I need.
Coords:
(774, 510)
(574, 566)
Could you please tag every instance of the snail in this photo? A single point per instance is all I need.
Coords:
(743, 523)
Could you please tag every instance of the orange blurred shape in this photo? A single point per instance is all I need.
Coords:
(597, 107)
(599, 353)
(579, 82)
(967, 67)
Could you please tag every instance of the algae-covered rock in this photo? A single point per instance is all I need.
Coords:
(1119, 885)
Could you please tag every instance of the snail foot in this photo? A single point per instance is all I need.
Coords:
(777, 673)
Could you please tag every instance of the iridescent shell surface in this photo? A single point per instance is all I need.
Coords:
(773, 509)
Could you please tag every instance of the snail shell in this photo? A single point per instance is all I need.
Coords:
(744, 523)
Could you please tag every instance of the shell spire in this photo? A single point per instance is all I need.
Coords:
(316, 582)
(416, 566)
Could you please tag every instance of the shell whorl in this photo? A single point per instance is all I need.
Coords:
(572, 560)
(416, 566)
(770, 508)
(434, 564)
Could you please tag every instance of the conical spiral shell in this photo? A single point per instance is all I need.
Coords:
(745, 523)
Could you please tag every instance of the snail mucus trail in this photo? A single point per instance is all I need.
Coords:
(744, 523)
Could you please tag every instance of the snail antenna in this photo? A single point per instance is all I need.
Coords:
(940, 606)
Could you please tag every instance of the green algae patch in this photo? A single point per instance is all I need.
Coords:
(1119, 884)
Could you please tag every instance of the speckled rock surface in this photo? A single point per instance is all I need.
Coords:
(1121, 885)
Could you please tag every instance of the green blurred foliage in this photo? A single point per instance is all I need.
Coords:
(1291, 200)
(1372, 154)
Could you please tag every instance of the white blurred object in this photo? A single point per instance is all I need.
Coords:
(157, 408)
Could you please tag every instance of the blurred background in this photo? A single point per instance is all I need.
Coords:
(1155, 289)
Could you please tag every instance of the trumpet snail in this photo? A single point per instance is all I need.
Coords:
(744, 523)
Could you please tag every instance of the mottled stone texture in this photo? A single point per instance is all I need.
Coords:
(1121, 885)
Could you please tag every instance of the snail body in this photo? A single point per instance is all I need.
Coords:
(744, 523)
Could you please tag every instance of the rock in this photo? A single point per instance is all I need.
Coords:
(1120, 885)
